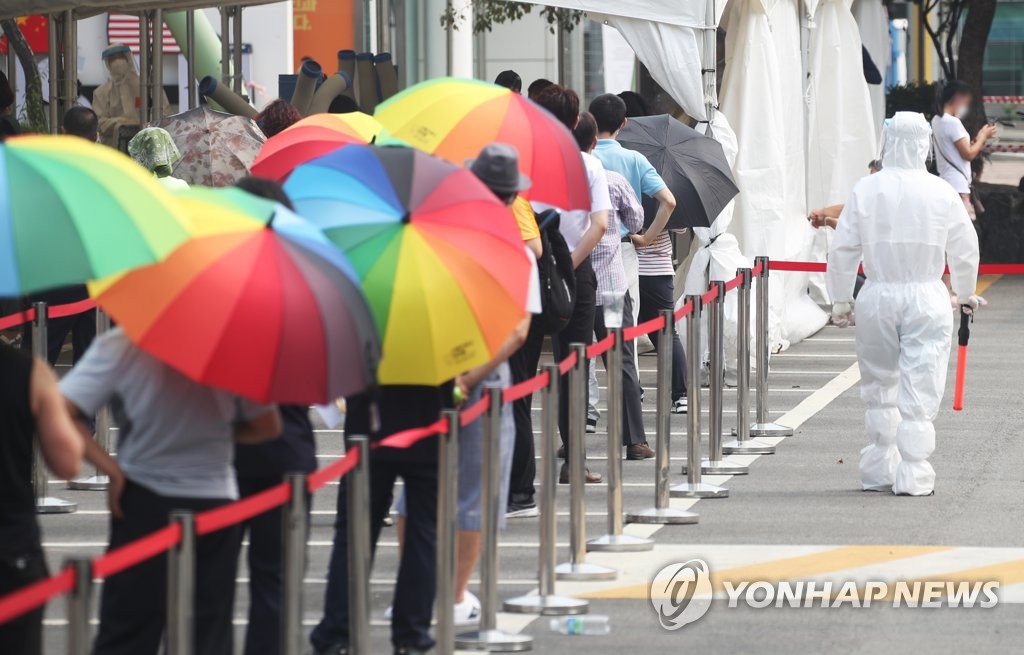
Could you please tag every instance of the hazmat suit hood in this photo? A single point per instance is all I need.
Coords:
(906, 141)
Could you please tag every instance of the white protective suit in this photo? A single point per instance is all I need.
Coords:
(905, 224)
(117, 101)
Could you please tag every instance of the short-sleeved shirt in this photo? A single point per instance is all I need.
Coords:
(574, 224)
(630, 164)
(607, 256)
(525, 219)
(175, 436)
(953, 168)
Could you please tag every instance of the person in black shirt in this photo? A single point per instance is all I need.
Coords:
(30, 404)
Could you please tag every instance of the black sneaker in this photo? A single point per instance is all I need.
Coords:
(591, 425)
(522, 509)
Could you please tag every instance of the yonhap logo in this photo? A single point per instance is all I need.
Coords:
(681, 593)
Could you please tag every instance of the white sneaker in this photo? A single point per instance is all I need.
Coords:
(680, 406)
(466, 613)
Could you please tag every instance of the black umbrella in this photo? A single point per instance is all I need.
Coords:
(693, 166)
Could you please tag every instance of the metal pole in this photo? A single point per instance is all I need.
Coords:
(359, 552)
(448, 42)
(53, 74)
(546, 602)
(714, 464)
(79, 640)
(12, 71)
(695, 487)
(763, 426)
(190, 56)
(561, 60)
(98, 481)
(181, 576)
(238, 79)
(225, 47)
(577, 567)
(661, 512)
(710, 63)
(487, 637)
(69, 69)
(144, 46)
(447, 506)
(743, 444)
(615, 541)
(45, 503)
(383, 26)
(157, 58)
(296, 527)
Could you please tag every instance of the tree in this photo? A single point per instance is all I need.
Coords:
(959, 36)
(488, 13)
(34, 111)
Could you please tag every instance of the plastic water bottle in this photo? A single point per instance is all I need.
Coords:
(584, 624)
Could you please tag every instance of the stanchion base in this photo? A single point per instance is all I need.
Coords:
(770, 430)
(747, 447)
(494, 641)
(92, 483)
(620, 543)
(546, 605)
(721, 467)
(584, 572)
(698, 490)
(666, 516)
(53, 505)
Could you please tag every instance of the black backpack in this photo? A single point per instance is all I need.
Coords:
(557, 276)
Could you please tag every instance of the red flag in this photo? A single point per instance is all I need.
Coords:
(37, 32)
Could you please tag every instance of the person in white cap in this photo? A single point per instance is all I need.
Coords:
(905, 225)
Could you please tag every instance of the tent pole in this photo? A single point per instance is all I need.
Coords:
(238, 79)
(144, 51)
(53, 73)
(158, 66)
(709, 70)
(70, 57)
(190, 56)
(225, 47)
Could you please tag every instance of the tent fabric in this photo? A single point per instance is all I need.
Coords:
(762, 98)
(873, 21)
(841, 132)
(86, 8)
(686, 13)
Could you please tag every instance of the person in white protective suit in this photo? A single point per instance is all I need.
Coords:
(117, 101)
(906, 225)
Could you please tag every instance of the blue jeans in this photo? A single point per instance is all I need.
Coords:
(414, 590)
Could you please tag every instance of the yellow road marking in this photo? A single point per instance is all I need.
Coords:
(792, 568)
(985, 281)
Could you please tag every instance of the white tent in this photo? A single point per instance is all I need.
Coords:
(873, 21)
(85, 8)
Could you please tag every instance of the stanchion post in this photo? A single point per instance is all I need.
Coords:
(661, 512)
(545, 602)
(447, 505)
(763, 425)
(487, 637)
(296, 527)
(714, 464)
(181, 576)
(359, 556)
(577, 567)
(79, 641)
(98, 481)
(695, 487)
(743, 444)
(614, 541)
(45, 503)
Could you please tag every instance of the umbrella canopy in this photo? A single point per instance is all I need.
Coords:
(454, 119)
(217, 149)
(72, 211)
(693, 166)
(310, 138)
(260, 304)
(441, 259)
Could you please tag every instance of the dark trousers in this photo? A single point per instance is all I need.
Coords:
(133, 605)
(266, 542)
(23, 635)
(632, 406)
(523, 364)
(579, 330)
(655, 296)
(414, 590)
(81, 327)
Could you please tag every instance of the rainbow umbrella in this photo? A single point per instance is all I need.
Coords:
(310, 138)
(259, 304)
(72, 211)
(454, 119)
(441, 259)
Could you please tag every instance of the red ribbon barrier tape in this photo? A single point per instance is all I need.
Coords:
(136, 551)
(595, 350)
(35, 595)
(242, 510)
(566, 364)
(475, 411)
(406, 438)
(754, 272)
(57, 311)
(525, 388)
(710, 295)
(647, 327)
(683, 312)
(336, 470)
(733, 283)
(820, 267)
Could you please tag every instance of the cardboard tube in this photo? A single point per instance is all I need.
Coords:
(334, 86)
(366, 82)
(308, 75)
(347, 65)
(387, 76)
(226, 98)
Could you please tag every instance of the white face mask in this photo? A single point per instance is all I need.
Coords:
(962, 112)
(118, 67)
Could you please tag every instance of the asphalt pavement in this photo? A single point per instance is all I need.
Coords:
(798, 515)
